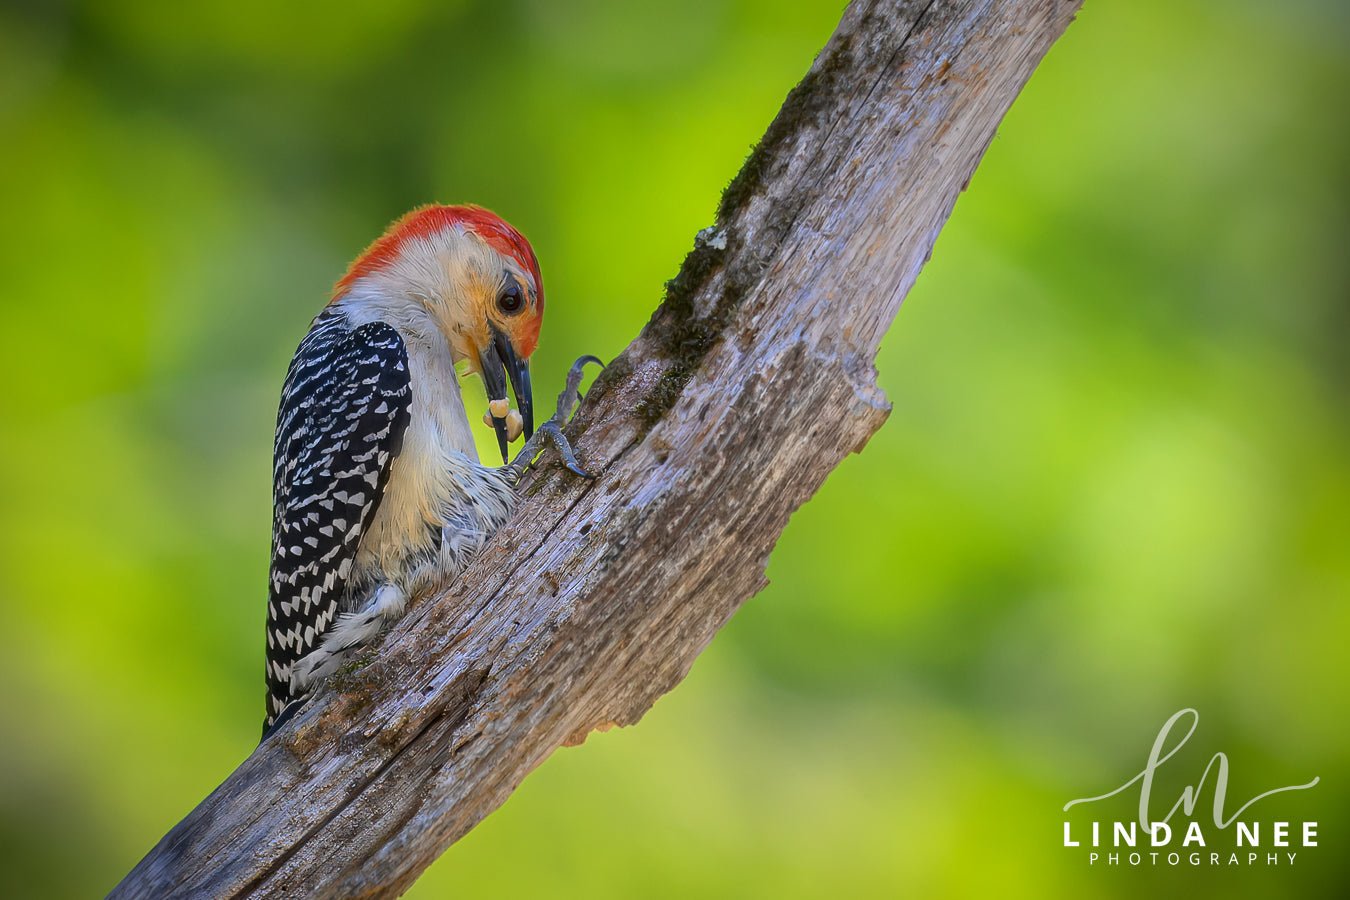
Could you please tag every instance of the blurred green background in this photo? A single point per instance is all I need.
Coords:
(1115, 483)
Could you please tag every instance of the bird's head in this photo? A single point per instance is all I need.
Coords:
(479, 280)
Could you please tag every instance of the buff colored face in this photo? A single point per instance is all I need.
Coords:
(510, 314)
(502, 302)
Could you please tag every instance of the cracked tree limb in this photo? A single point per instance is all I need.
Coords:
(751, 382)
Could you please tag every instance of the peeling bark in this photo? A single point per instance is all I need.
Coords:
(748, 386)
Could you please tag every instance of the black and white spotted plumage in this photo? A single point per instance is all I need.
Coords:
(344, 409)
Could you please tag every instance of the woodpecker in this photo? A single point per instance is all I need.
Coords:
(378, 492)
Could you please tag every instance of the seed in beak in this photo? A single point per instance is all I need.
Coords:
(515, 425)
(498, 408)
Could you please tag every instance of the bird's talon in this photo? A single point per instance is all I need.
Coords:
(551, 429)
(569, 457)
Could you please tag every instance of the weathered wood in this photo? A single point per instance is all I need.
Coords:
(750, 383)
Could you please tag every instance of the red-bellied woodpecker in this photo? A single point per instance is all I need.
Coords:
(377, 489)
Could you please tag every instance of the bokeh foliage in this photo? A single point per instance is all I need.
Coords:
(1115, 482)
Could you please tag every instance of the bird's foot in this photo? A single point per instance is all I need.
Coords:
(552, 429)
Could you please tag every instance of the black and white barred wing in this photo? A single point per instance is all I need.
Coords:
(343, 412)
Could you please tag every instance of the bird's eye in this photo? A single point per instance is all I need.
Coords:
(510, 300)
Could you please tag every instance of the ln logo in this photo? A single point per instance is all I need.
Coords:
(1195, 847)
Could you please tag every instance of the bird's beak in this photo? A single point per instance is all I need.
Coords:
(498, 362)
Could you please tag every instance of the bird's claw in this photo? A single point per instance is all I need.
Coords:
(569, 458)
(552, 428)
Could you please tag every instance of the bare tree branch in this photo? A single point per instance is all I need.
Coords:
(751, 382)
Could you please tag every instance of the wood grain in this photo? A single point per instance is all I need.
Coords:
(751, 382)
